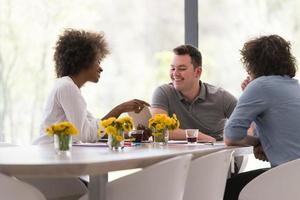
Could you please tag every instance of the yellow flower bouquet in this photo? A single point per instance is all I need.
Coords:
(115, 129)
(161, 124)
(62, 133)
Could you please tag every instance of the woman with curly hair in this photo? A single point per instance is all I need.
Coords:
(78, 55)
(271, 99)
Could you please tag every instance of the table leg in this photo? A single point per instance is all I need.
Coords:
(97, 187)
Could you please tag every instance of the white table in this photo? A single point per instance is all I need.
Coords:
(41, 161)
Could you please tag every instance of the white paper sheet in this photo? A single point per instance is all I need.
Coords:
(141, 117)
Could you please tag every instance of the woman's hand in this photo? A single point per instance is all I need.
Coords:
(134, 105)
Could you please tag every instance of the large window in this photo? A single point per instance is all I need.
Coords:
(141, 35)
(224, 26)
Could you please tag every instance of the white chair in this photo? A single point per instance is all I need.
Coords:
(164, 180)
(13, 189)
(281, 182)
(55, 188)
(241, 163)
(207, 176)
(58, 188)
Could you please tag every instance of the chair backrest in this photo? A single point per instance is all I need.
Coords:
(58, 188)
(11, 188)
(281, 182)
(163, 180)
(207, 176)
(241, 163)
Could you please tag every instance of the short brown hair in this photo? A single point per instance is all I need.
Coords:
(268, 55)
(75, 50)
(192, 51)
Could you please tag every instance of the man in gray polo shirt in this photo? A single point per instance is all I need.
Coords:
(197, 105)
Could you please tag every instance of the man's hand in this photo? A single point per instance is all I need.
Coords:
(245, 83)
(205, 137)
(259, 153)
(147, 132)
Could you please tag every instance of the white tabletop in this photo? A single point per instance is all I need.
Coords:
(40, 161)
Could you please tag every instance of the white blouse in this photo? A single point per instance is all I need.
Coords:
(65, 103)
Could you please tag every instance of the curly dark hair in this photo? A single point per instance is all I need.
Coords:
(192, 51)
(268, 55)
(75, 50)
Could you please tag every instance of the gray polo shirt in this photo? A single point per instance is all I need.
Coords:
(208, 112)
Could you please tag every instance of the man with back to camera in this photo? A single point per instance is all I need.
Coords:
(271, 99)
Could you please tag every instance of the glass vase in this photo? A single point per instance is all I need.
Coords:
(116, 142)
(62, 143)
(161, 137)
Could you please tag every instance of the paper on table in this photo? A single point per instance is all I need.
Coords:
(184, 143)
(141, 117)
(97, 144)
(177, 142)
(200, 142)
